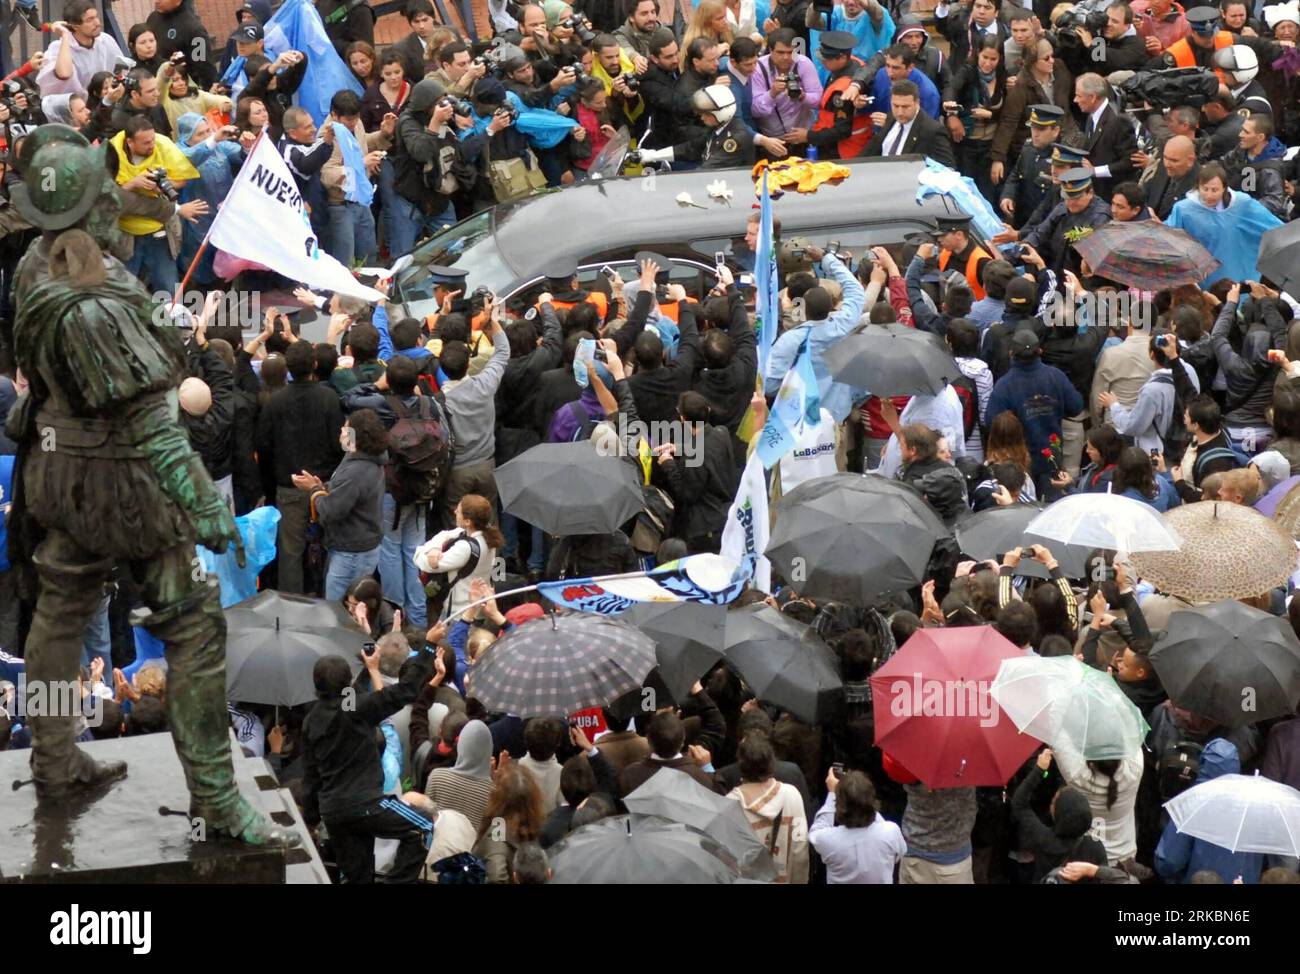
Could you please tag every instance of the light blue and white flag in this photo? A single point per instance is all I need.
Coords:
(357, 187)
(710, 579)
(745, 535)
(797, 406)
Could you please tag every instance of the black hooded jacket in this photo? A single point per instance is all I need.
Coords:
(1067, 840)
(427, 163)
(182, 30)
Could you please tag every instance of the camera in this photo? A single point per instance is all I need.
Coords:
(793, 87)
(480, 296)
(178, 63)
(159, 177)
(368, 649)
(630, 81)
(579, 76)
(459, 106)
(510, 111)
(581, 30)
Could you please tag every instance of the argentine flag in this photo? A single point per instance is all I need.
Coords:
(797, 406)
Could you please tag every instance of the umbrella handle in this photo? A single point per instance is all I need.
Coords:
(961, 770)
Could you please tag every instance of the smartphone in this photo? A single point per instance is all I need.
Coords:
(1155, 455)
(610, 273)
(368, 649)
(837, 769)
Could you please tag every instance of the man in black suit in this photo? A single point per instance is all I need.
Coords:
(1108, 136)
(966, 24)
(1174, 176)
(910, 130)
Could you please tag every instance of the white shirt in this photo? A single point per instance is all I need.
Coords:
(86, 62)
(897, 138)
(1100, 172)
(942, 413)
(861, 855)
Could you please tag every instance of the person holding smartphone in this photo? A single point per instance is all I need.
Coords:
(1153, 417)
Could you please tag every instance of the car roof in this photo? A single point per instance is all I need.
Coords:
(643, 211)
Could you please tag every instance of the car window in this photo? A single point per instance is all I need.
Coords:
(470, 244)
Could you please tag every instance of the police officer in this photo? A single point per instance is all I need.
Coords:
(561, 281)
(1240, 65)
(1197, 49)
(839, 132)
(959, 251)
(1064, 158)
(726, 142)
(1076, 216)
(1030, 178)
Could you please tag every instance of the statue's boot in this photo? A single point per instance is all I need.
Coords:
(193, 629)
(60, 768)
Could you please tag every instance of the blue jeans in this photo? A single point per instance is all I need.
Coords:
(345, 567)
(152, 261)
(98, 641)
(510, 526)
(404, 222)
(397, 571)
(351, 233)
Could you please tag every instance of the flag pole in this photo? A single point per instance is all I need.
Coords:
(203, 246)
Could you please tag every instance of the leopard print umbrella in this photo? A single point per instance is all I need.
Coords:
(1229, 552)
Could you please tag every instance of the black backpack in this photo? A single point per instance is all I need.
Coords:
(1175, 440)
(420, 451)
(1177, 768)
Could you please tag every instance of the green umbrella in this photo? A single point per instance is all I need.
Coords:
(1069, 705)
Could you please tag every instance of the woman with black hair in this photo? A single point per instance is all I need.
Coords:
(973, 108)
(350, 506)
(1103, 449)
(1136, 478)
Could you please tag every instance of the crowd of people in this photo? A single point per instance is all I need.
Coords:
(1168, 397)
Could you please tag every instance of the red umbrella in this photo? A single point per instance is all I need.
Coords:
(934, 712)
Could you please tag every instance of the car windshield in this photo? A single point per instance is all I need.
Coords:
(470, 244)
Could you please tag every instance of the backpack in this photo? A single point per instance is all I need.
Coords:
(652, 524)
(1223, 453)
(1177, 768)
(964, 386)
(1175, 440)
(440, 584)
(420, 451)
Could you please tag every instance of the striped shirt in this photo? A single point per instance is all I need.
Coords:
(460, 793)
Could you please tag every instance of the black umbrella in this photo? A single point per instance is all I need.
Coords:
(784, 662)
(1229, 662)
(570, 488)
(676, 796)
(273, 641)
(1279, 257)
(641, 849)
(994, 532)
(688, 639)
(893, 360)
(851, 537)
(558, 665)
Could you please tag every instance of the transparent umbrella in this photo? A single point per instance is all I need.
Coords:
(1241, 813)
(1105, 521)
(1070, 706)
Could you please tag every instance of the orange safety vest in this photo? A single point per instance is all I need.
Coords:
(1185, 57)
(860, 135)
(596, 298)
(977, 254)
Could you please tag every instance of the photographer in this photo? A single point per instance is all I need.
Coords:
(839, 132)
(180, 31)
(136, 95)
(149, 164)
(457, 70)
(520, 75)
(966, 26)
(617, 71)
(1120, 49)
(787, 91)
(428, 168)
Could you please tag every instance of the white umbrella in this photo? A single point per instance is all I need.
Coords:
(1241, 813)
(1069, 705)
(1105, 521)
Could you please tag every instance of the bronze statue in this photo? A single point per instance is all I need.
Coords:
(106, 475)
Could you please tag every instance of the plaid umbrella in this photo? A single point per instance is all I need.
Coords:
(1146, 254)
(1228, 552)
(558, 665)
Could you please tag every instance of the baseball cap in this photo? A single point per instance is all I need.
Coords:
(249, 33)
(1024, 344)
(1020, 294)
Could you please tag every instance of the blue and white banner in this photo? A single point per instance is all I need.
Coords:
(797, 406)
(710, 579)
(357, 187)
(766, 279)
(745, 536)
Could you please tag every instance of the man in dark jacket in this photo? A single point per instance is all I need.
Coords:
(141, 96)
(667, 736)
(347, 21)
(657, 384)
(1020, 306)
(344, 780)
(306, 149)
(177, 28)
(940, 483)
(207, 404)
(702, 486)
(728, 359)
(670, 108)
(1249, 373)
(1041, 397)
(1175, 175)
(966, 25)
(298, 430)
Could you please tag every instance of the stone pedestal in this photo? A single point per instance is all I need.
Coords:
(125, 832)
